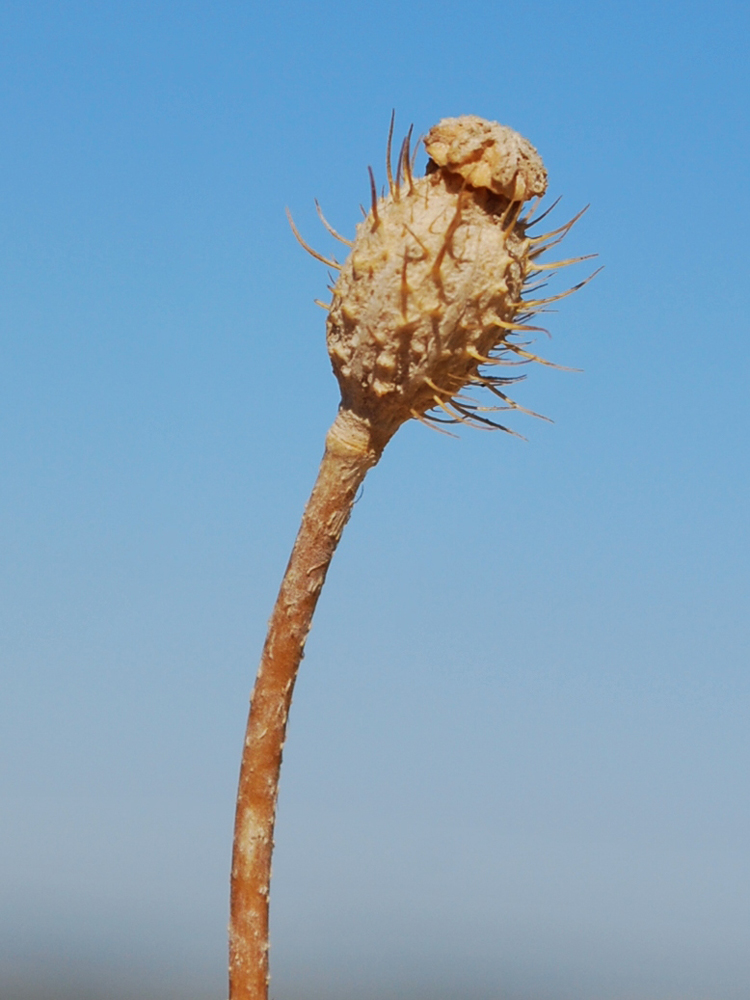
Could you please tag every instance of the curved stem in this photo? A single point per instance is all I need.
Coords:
(349, 454)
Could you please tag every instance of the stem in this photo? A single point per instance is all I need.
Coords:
(349, 454)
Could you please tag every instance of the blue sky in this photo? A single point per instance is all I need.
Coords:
(518, 754)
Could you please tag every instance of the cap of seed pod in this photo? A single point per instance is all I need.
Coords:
(432, 286)
(488, 155)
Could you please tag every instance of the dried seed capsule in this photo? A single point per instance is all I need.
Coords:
(434, 279)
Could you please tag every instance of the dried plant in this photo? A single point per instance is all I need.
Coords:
(429, 304)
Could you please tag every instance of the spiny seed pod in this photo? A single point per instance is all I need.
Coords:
(432, 288)
(430, 295)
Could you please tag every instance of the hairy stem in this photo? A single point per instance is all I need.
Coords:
(350, 453)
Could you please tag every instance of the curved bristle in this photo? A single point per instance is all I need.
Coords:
(563, 229)
(374, 199)
(556, 265)
(329, 227)
(533, 303)
(305, 246)
(544, 214)
(388, 170)
(408, 173)
(429, 420)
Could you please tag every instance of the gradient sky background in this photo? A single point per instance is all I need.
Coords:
(518, 759)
